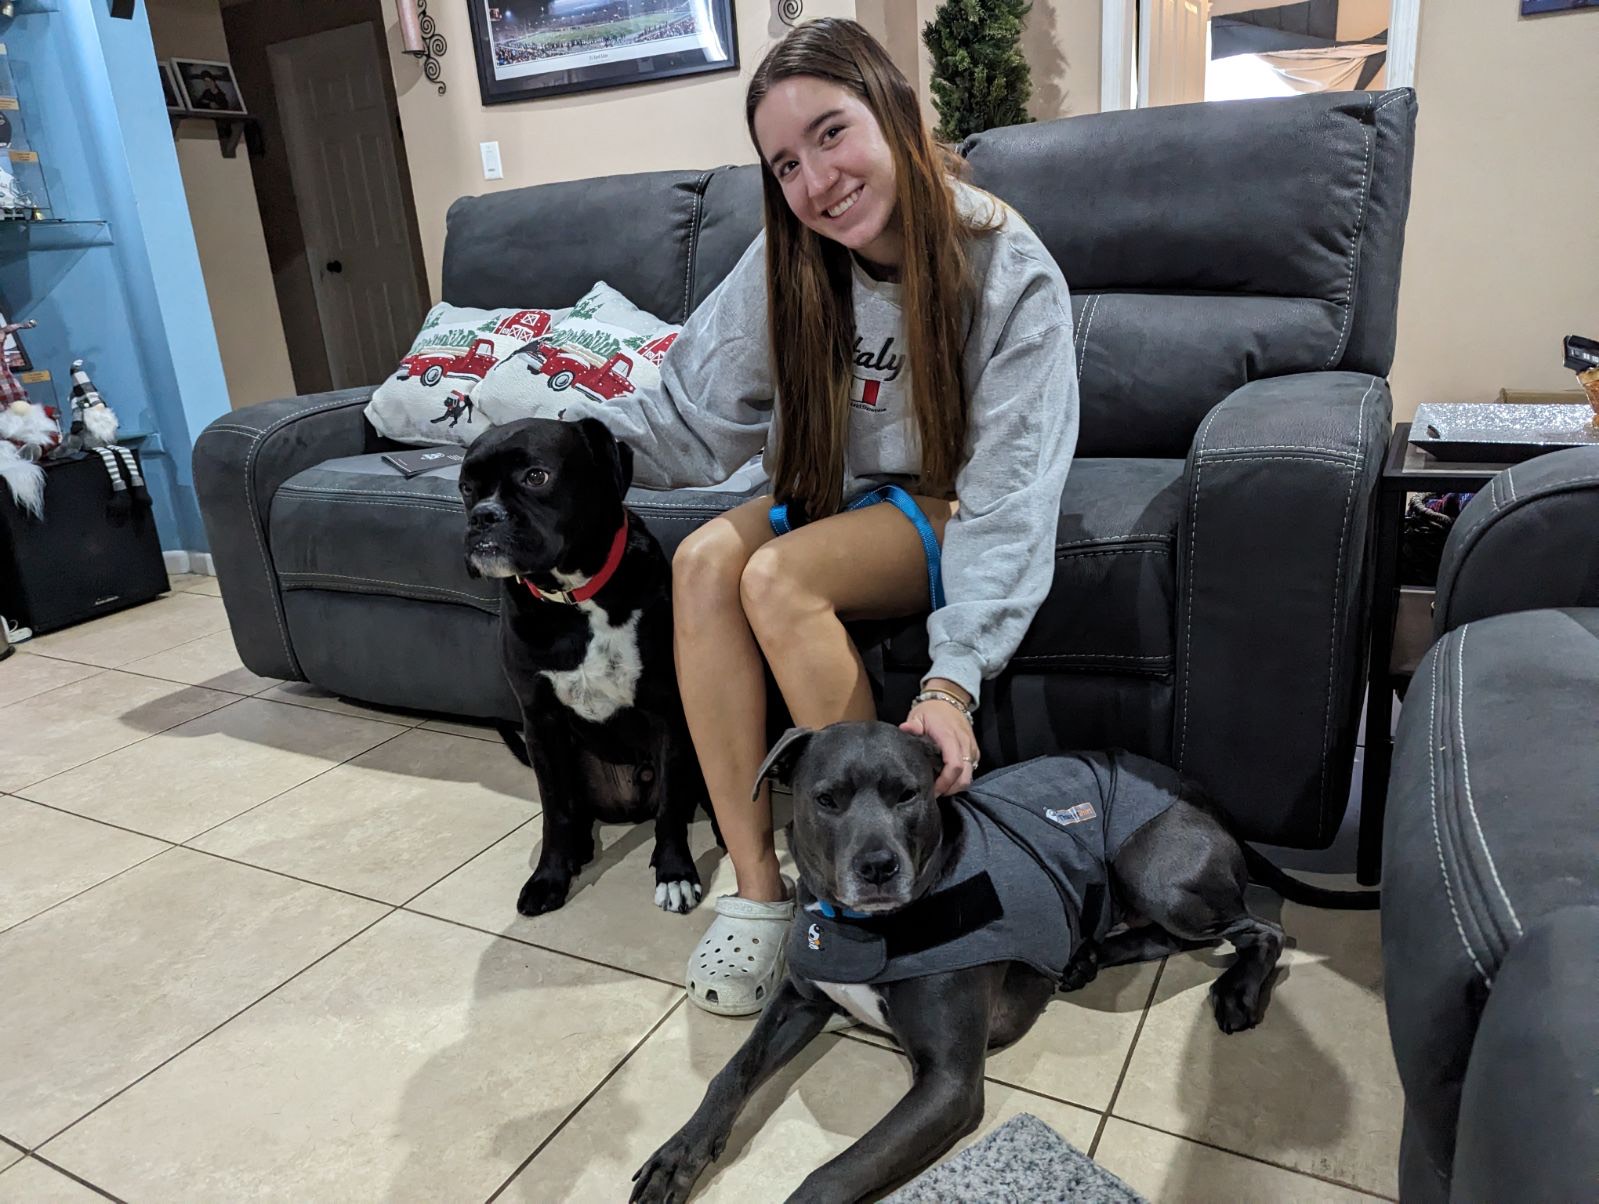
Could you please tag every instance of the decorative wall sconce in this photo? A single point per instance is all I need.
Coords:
(790, 11)
(420, 37)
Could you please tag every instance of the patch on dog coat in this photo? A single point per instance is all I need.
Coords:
(607, 680)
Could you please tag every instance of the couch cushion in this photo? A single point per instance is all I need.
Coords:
(356, 525)
(1110, 607)
(1490, 826)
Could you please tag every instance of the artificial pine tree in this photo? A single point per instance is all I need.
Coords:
(980, 79)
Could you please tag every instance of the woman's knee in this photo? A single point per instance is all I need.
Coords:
(708, 565)
(773, 591)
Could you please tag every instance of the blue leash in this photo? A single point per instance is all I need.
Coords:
(906, 505)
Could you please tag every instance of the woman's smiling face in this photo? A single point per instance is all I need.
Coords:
(828, 153)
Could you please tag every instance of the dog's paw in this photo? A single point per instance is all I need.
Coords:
(681, 895)
(670, 1174)
(540, 895)
(1082, 970)
(1238, 1007)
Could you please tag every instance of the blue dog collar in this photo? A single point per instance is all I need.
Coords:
(829, 912)
(906, 505)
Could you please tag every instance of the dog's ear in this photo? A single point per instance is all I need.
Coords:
(933, 753)
(609, 452)
(779, 763)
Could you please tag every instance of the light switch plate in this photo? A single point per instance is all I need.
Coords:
(491, 161)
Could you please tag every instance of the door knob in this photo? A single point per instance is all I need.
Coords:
(335, 265)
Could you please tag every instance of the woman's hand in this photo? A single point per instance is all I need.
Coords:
(952, 732)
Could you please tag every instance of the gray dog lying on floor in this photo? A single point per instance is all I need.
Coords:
(951, 922)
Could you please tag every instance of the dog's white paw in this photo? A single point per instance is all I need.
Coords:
(681, 896)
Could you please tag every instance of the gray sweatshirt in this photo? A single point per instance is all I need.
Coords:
(714, 409)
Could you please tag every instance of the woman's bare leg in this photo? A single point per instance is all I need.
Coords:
(723, 683)
(798, 590)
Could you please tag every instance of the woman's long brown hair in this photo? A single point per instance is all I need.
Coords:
(809, 303)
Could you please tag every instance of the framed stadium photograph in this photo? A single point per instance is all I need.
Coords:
(1531, 7)
(532, 48)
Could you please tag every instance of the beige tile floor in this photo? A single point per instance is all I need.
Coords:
(256, 943)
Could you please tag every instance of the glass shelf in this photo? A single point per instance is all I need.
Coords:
(53, 234)
(34, 256)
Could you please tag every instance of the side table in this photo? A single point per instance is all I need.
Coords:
(1405, 471)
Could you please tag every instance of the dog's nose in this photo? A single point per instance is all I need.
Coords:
(486, 514)
(877, 868)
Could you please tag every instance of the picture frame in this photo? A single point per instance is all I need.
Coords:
(208, 87)
(540, 48)
(1532, 8)
(171, 87)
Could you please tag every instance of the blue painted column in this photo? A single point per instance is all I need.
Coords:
(132, 303)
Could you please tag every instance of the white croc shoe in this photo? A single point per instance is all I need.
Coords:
(736, 968)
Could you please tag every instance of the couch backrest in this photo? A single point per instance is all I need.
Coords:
(1205, 245)
(1209, 245)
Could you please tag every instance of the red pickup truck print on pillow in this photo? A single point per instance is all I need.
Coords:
(568, 367)
(435, 363)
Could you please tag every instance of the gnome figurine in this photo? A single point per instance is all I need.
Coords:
(94, 429)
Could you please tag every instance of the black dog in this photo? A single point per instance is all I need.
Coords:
(950, 923)
(586, 640)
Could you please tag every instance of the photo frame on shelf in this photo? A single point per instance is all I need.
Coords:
(1533, 7)
(208, 87)
(172, 87)
(525, 52)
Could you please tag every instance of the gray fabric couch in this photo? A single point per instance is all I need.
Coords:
(1490, 910)
(1235, 275)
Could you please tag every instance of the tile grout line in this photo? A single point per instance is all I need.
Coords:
(577, 957)
(216, 1028)
(1256, 1158)
(583, 1103)
(233, 700)
(98, 1190)
(290, 789)
(493, 844)
(87, 889)
(398, 718)
(1149, 1003)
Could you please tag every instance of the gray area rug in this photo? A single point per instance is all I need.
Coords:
(1024, 1161)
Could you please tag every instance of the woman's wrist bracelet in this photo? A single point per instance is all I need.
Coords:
(960, 704)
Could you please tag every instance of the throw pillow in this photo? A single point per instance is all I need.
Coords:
(604, 348)
(430, 398)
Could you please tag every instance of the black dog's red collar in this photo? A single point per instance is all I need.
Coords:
(594, 584)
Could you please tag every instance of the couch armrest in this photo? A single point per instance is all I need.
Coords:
(1273, 591)
(1529, 541)
(1529, 1111)
(239, 462)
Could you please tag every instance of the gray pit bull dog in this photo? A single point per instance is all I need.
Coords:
(951, 922)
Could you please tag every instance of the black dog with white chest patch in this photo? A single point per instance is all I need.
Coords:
(952, 922)
(586, 641)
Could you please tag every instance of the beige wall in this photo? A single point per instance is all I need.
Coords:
(227, 224)
(1502, 247)
(691, 123)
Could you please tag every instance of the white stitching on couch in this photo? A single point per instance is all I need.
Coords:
(1078, 543)
(1320, 451)
(1338, 580)
(1510, 483)
(1367, 137)
(437, 589)
(1465, 772)
(1396, 96)
(1088, 325)
(1193, 540)
(255, 517)
(694, 241)
(1437, 840)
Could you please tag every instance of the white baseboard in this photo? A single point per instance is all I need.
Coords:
(190, 562)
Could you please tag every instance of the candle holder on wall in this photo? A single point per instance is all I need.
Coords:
(420, 37)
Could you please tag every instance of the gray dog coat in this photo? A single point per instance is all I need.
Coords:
(1029, 881)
